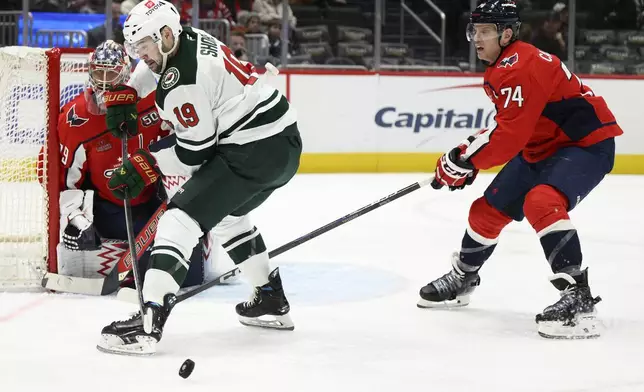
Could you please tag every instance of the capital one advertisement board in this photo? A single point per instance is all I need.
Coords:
(379, 119)
(371, 113)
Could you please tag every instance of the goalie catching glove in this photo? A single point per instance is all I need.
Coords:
(139, 171)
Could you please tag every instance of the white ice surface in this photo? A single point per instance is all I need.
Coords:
(353, 293)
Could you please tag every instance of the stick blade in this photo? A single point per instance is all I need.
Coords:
(71, 284)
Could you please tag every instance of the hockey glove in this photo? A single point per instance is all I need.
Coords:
(135, 174)
(453, 172)
(122, 116)
(81, 239)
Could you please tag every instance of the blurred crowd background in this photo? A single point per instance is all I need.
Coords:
(597, 37)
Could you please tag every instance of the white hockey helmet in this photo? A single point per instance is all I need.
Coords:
(147, 19)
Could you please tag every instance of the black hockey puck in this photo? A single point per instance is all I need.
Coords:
(186, 368)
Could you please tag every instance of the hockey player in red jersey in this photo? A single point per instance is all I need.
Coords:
(93, 232)
(89, 154)
(556, 139)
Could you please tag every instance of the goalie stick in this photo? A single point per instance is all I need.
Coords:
(129, 295)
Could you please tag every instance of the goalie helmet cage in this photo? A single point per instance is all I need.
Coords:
(34, 84)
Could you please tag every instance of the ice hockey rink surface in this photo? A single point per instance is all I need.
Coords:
(353, 293)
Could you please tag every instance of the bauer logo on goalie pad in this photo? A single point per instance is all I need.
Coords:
(170, 78)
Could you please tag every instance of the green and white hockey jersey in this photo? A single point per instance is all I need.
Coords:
(213, 98)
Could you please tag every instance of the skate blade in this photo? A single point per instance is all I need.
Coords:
(585, 327)
(277, 322)
(458, 302)
(111, 344)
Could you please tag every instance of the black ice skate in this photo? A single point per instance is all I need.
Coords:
(268, 308)
(131, 336)
(573, 316)
(450, 290)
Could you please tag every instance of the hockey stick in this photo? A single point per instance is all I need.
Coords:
(110, 283)
(306, 237)
(129, 226)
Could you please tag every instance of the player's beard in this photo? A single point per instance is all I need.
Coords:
(153, 65)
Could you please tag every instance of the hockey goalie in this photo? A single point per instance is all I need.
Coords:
(93, 231)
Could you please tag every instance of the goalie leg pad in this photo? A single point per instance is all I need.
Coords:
(176, 237)
(90, 263)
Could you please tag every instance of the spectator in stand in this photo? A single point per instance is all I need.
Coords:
(238, 44)
(253, 24)
(561, 10)
(250, 21)
(275, 39)
(549, 38)
(208, 9)
(97, 35)
(269, 10)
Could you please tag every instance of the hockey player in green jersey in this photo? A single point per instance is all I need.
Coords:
(237, 141)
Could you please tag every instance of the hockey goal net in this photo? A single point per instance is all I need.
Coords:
(34, 84)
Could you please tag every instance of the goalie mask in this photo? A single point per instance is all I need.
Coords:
(109, 66)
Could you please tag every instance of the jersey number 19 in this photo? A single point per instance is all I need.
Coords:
(236, 68)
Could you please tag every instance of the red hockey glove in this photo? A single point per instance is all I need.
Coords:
(122, 116)
(451, 171)
(138, 172)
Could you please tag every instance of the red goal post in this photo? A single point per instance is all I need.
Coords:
(34, 84)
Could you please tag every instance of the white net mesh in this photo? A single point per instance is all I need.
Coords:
(24, 216)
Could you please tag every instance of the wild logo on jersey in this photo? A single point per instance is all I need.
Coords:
(171, 78)
(509, 61)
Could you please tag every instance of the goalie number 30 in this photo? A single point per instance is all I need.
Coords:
(512, 95)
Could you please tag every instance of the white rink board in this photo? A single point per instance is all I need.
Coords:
(385, 113)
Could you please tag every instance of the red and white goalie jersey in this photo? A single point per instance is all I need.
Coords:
(541, 107)
(89, 152)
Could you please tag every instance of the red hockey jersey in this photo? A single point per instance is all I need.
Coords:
(541, 107)
(89, 152)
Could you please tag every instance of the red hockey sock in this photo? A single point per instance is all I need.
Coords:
(481, 237)
(546, 209)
